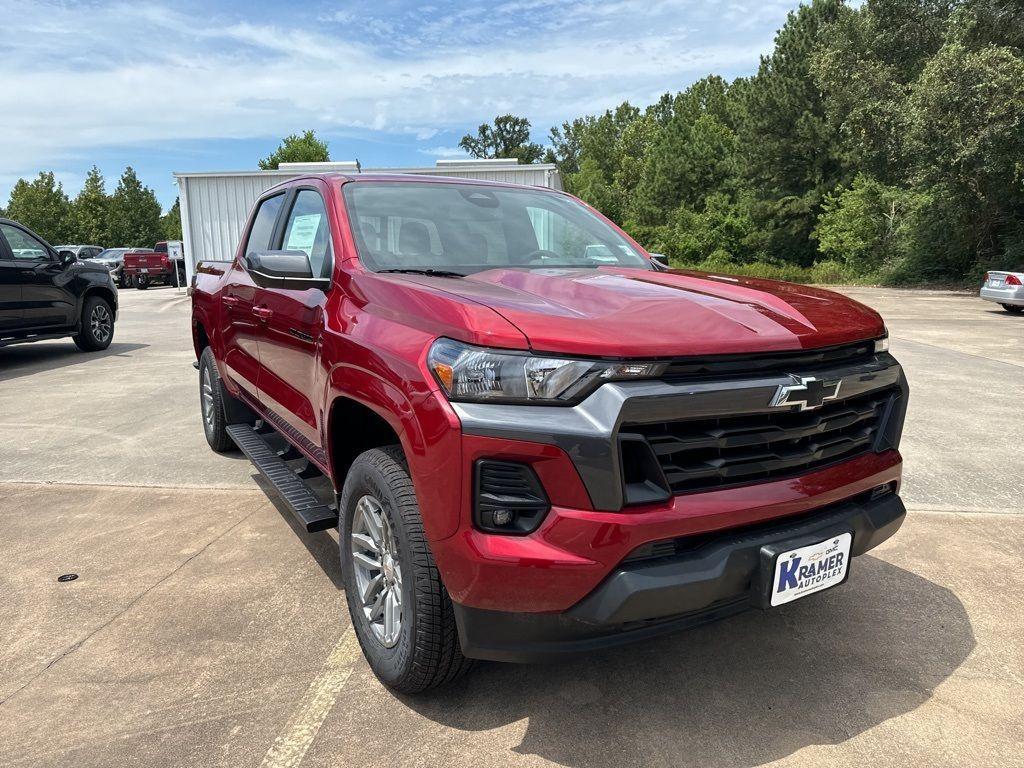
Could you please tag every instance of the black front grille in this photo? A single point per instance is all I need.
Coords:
(730, 450)
(804, 360)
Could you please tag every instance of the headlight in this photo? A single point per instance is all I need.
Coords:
(482, 375)
(882, 344)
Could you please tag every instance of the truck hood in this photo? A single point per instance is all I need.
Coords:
(617, 312)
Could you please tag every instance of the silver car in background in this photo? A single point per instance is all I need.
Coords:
(113, 259)
(80, 251)
(1006, 288)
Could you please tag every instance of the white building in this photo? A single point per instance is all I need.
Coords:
(214, 206)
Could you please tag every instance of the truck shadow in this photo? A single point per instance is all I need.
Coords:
(322, 546)
(743, 692)
(20, 360)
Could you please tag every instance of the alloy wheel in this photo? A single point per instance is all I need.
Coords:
(377, 570)
(100, 323)
(208, 405)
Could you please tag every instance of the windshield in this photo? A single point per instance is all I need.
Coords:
(110, 253)
(467, 228)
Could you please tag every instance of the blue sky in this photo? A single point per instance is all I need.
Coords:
(214, 85)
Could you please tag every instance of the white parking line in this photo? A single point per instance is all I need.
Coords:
(291, 745)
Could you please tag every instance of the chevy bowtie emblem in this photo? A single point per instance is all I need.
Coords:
(808, 394)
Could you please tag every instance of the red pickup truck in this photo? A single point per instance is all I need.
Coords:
(144, 267)
(531, 452)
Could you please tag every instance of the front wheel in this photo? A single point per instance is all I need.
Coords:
(400, 610)
(97, 325)
(1014, 308)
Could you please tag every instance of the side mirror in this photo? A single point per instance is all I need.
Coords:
(660, 259)
(66, 258)
(283, 269)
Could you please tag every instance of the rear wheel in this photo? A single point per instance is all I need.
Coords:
(400, 610)
(142, 282)
(1014, 308)
(97, 325)
(211, 404)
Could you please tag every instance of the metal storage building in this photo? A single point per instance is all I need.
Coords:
(214, 205)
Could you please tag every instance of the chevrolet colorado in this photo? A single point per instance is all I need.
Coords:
(534, 439)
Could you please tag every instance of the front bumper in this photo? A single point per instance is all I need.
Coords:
(1009, 294)
(719, 576)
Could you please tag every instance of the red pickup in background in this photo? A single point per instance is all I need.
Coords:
(146, 266)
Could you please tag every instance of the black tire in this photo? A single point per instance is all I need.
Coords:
(97, 325)
(426, 653)
(124, 281)
(211, 404)
(142, 282)
(1015, 309)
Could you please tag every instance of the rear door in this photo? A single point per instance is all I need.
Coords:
(293, 320)
(238, 299)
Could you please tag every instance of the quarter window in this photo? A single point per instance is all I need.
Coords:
(23, 245)
(309, 232)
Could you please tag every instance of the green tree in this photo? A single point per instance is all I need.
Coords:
(170, 222)
(865, 67)
(791, 151)
(306, 148)
(611, 146)
(509, 137)
(977, 23)
(134, 213)
(868, 225)
(966, 140)
(42, 206)
(90, 211)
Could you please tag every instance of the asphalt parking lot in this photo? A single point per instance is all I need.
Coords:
(204, 630)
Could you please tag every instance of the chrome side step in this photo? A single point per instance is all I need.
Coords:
(308, 509)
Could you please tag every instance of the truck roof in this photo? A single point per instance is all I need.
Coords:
(409, 178)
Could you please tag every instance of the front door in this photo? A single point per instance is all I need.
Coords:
(293, 322)
(238, 298)
(46, 300)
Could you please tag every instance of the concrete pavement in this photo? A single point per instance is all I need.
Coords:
(204, 630)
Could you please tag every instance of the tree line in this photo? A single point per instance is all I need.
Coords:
(129, 217)
(883, 142)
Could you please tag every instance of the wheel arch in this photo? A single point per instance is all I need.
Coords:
(102, 292)
(354, 427)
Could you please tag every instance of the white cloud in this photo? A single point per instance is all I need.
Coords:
(117, 73)
(444, 153)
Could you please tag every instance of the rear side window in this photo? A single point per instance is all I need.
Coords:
(263, 225)
(309, 232)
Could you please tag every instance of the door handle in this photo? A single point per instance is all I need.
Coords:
(230, 301)
(263, 313)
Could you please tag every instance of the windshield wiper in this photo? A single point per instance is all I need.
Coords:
(428, 272)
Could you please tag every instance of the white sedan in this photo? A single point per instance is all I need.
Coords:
(1006, 288)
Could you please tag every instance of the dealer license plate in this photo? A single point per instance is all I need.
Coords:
(144, 271)
(804, 571)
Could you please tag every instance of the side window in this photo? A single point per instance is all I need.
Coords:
(23, 245)
(263, 225)
(308, 231)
